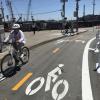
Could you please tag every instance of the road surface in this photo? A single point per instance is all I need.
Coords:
(56, 72)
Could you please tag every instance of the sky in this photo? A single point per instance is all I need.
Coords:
(41, 6)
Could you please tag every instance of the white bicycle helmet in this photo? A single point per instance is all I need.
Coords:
(16, 26)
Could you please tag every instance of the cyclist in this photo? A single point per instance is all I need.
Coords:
(97, 50)
(18, 40)
(97, 42)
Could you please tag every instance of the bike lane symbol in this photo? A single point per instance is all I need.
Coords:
(51, 77)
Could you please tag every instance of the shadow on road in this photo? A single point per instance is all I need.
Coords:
(9, 72)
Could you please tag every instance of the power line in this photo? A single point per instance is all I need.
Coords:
(46, 12)
(41, 13)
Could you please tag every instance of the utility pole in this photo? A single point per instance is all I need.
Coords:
(63, 11)
(28, 11)
(77, 9)
(93, 7)
(84, 10)
(63, 8)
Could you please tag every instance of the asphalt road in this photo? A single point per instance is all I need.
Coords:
(54, 72)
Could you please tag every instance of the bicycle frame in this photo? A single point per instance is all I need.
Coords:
(10, 50)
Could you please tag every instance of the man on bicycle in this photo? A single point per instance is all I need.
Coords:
(97, 50)
(18, 40)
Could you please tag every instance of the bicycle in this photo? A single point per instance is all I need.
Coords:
(8, 61)
(65, 32)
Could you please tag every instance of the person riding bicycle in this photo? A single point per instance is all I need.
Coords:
(18, 40)
(97, 42)
(97, 49)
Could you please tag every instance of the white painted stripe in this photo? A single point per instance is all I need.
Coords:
(86, 85)
(92, 49)
(80, 41)
(60, 41)
(60, 65)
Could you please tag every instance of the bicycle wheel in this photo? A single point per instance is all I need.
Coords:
(25, 55)
(7, 65)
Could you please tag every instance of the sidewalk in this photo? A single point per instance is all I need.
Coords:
(40, 38)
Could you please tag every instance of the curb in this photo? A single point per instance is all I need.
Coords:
(45, 42)
(51, 40)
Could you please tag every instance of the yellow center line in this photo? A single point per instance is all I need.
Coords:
(21, 82)
(56, 50)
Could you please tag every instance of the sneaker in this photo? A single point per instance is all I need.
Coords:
(97, 67)
(96, 50)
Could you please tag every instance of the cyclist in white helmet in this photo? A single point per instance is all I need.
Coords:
(18, 39)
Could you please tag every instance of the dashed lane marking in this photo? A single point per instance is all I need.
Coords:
(21, 82)
(60, 41)
(56, 50)
(82, 41)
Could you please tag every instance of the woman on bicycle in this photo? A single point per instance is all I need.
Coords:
(18, 40)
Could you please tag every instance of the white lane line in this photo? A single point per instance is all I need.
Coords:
(82, 41)
(91, 49)
(86, 85)
(61, 41)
